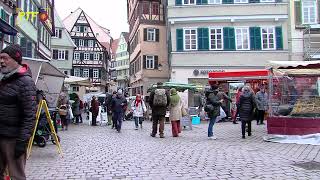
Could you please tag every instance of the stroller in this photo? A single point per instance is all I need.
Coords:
(43, 132)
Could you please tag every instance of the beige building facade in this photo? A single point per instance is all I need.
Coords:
(148, 44)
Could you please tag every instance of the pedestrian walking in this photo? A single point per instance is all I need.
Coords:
(94, 109)
(212, 107)
(159, 101)
(176, 112)
(262, 104)
(63, 106)
(236, 112)
(18, 108)
(225, 98)
(119, 105)
(138, 107)
(82, 109)
(107, 103)
(76, 111)
(247, 103)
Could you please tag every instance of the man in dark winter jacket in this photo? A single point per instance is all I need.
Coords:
(17, 111)
(118, 105)
(159, 101)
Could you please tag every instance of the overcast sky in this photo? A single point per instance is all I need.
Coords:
(111, 14)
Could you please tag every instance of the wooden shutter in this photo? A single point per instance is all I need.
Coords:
(297, 12)
(81, 72)
(204, 2)
(91, 73)
(100, 73)
(60, 33)
(91, 56)
(85, 43)
(318, 9)
(179, 36)
(229, 38)
(100, 56)
(199, 2)
(156, 62)
(203, 38)
(66, 55)
(279, 38)
(144, 62)
(255, 38)
(178, 2)
(254, 1)
(227, 1)
(145, 34)
(157, 35)
(55, 54)
(12, 21)
(81, 56)
(29, 49)
(72, 72)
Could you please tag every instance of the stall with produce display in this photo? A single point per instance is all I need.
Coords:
(294, 98)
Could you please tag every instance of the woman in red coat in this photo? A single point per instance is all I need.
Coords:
(94, 110)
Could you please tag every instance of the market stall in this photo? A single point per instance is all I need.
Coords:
(294, 98)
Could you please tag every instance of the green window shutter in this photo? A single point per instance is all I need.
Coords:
(229, 38)
(255, 38)
(12, 20)
(318, 6)
(179, 34)
(199, 2)
(279, 38)
(254, 1)
(203, 38)
(227, 1)
(2, 14)
(297, 12)
(178, 2)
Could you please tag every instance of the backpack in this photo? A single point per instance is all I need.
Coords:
(160, 98)
(81, 105)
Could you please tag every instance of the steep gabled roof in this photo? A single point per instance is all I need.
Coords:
(58, 23)
(102, 34)
(126, 36)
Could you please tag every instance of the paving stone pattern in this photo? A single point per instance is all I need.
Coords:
(100, 153)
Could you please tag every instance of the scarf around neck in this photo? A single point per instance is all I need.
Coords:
(8, 75)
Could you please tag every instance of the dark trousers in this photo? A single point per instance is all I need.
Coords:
(260, 117)
(15, 166)
(64, 121)
(94, 120)
(176, 128)
(77, 118)
(118, 118)
(243, 127)
(155, 120)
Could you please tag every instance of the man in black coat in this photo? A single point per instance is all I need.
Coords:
(118, 106)
(158, 111)
(17, 111)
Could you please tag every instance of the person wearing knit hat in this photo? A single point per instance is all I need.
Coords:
(18, 93)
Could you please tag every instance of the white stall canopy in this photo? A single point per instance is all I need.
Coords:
(48, 78)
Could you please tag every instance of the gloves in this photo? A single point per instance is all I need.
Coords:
(20, 149)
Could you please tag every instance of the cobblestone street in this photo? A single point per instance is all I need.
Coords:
(102, 153)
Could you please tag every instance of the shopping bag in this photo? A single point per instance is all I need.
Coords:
(222, 115)
(70, 114)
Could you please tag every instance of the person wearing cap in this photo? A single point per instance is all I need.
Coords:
(18, 106)
(118, 106)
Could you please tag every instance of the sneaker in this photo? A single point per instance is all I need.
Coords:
(213, 138)
(136, 128)
(152, 135)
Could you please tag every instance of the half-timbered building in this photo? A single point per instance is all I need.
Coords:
(90, 58)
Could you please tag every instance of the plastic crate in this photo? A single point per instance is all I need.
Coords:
(195, 120)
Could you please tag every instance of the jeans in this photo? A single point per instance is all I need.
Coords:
(94, 120)
(137, 121)
(260, 117)
(210, 128)
(77, 118)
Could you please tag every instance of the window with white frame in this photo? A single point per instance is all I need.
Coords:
(86, 56)
(85, 73)
(81, 42)
(61, 55)
(149, 62)
(78, 28)
(216, 39)
(309, 14)
(190, 39)
(96, 56)
(267, 1)
(214, 1)
(188, 2)
(268, 38)
(76, 72)
(151, 34)
(76, 56)
(85, 29)
(95, 73)
(90, 43)
(240, 1)
(242, 38)
(58, 33)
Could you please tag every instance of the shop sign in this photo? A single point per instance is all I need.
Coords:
(197, 72)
